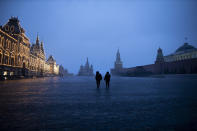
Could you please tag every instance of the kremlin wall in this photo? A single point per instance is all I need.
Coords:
(182, 61)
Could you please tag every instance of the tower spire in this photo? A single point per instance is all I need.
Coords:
(118, 62)
(87, 62)
(159, 58)
(42, 47)
(118, 56)
(37, 40)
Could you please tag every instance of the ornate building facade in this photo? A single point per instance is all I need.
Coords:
(37, 58)
(17, 56)
(53, 67)
(186, 51)
(86, 70)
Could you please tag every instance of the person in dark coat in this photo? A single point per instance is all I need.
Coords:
(107, 79)
(98, 78)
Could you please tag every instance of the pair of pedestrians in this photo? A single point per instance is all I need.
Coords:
(98, 78)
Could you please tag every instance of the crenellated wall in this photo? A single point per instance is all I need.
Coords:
(188, 66)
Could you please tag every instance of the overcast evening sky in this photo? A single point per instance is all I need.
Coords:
(73, 30)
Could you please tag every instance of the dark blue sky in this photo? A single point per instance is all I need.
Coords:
(75, 29)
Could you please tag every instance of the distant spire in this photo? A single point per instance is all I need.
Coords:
(118, 62)
(118, 56)
(42, 47)
(87, 62)
(159, 58)
(37, 40)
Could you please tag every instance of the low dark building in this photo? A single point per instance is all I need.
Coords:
(64, 72)
(182, 61)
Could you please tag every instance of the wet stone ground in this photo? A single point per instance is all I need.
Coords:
(74, 104)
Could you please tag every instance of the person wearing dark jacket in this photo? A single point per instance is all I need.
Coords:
(107, 79)
(98, 78)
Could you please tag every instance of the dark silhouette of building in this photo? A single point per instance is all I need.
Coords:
(64, 72)
(118, 62)
(118, 65)
(86, 70)
(160, 58)
(182, 61)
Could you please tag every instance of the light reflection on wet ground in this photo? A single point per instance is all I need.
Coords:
(74, 103)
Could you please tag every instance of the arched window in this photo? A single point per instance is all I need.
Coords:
(15, 49)
(6, 44)
(6, 58)
(10, 45)
(18, 48)
(12, 60)
(2, 41)
(19, 60)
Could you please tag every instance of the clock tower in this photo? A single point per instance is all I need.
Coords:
(118, 62)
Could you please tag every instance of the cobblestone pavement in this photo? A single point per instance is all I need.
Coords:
(75, 104)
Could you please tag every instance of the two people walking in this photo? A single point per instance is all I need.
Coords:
(98, 78)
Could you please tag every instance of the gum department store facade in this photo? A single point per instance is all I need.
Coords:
(18, 58)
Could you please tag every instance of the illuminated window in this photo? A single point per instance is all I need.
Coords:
(5, 73)
(16, 61)
(11, 73)
(15, 47)
(6, 59)
(7, 44)
(12, 60)
(12, 46)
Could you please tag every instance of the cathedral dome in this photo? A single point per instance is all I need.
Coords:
(185, 48)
